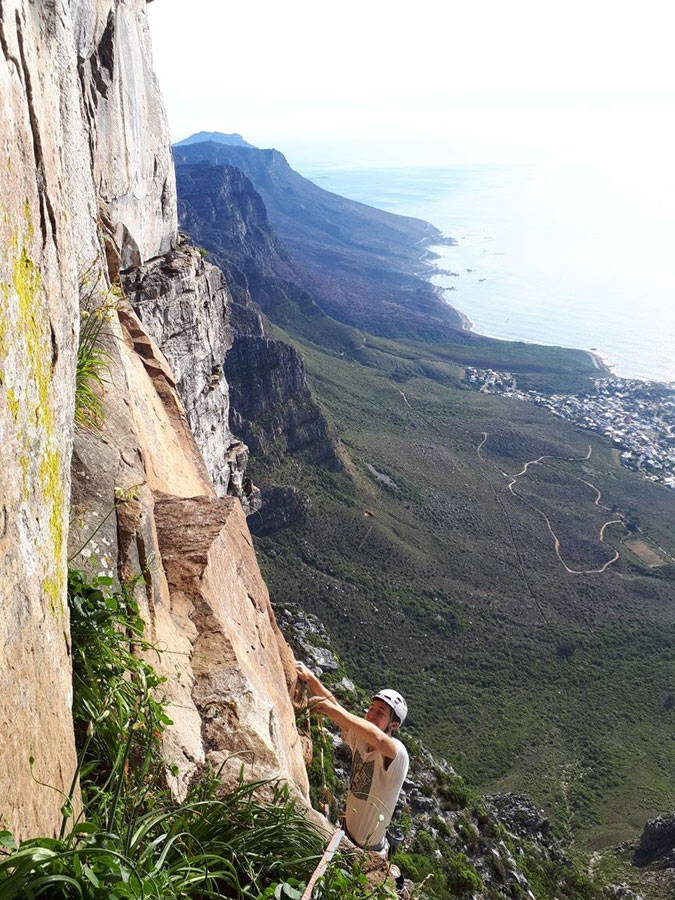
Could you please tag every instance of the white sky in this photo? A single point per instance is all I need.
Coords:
(424, 82)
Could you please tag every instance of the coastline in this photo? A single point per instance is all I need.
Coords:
(428, 260)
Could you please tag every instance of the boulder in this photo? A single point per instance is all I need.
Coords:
(657, 843)
(184, 305)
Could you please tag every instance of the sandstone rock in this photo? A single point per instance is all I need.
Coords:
(127, 128)
(184, 304)
(84, 146)
(47, 205)
(86, 184)
(243, 668)
(148, 452)
(144, 445)
(169, 450)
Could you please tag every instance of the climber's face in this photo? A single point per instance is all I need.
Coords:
(380, 714)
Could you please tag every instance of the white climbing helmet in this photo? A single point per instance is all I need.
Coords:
(394, 700)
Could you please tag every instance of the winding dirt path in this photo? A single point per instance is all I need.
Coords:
(598, 492)
(556, 541)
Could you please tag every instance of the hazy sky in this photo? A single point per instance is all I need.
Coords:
(424, 82)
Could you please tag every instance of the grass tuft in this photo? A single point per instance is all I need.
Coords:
(93, 360)
(131, 839)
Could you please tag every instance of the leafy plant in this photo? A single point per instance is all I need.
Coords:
(93, 359)
(118, 717)
(137, 841)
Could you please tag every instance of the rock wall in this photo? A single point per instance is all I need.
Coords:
(47, 205)
(126, 127)
(241, 665)
(272, 408)
(185, 305)
(86, 186)
(229, 672)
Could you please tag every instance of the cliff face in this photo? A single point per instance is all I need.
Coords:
(73, 151)
(126, 127)
(185, 305)
(360, 264)
(205, 605)
(271, 405)
(87, 192)
(221, 210)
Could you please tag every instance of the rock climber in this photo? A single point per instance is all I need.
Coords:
(379, 760)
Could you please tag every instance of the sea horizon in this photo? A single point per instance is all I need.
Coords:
(543, 254)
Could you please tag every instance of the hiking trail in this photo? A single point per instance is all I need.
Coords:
(556, 541)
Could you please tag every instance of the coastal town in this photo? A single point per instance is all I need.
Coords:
(638, 417)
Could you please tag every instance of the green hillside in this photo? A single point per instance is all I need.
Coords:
(432, 576)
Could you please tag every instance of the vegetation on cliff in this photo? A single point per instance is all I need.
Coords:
(126, 837)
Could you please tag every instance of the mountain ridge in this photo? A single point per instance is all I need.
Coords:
(218, 137)
(325, 232)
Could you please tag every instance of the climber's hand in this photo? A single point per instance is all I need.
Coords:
(303, 673)
(318, 704)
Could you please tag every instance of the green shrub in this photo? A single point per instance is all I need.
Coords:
(117, 716)
(454, 793)
(93, 360)
(137, 842)
(461, 875)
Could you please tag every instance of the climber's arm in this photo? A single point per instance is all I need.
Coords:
(360, 728)
(316, 689)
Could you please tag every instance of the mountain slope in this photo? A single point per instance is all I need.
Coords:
(525, 676)
(360, 264)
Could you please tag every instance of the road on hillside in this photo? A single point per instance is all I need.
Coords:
(513, 478)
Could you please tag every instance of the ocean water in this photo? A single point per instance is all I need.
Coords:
(578, 256)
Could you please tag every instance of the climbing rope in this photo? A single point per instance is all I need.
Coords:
(301, 702)
(328, 854)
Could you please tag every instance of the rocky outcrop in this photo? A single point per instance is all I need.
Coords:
(522, 817)
(126, 127)
(184, 303)
(272, 408)
(242, 667)
(657, 844)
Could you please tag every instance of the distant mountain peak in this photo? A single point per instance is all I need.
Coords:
(218, 137)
